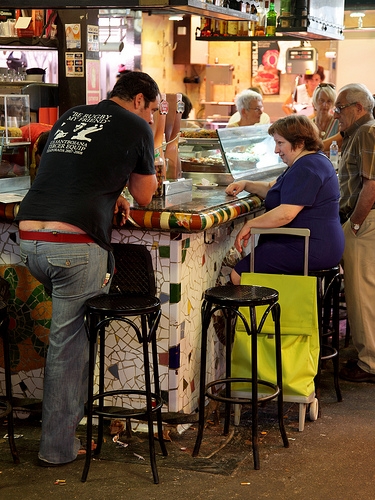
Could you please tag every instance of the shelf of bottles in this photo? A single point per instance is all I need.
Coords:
(264, 22)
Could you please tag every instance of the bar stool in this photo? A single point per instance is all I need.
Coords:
(6, 406)
(228, 299)
(134, 297)
(328, 296)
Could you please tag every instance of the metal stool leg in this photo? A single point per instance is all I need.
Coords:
(254, 388)
(336, 285)
(101, 389)
(92, 352)
(228, 363)
(8, 390)
(206, 316)
(151, 439)
(157, 391)
(276, 311)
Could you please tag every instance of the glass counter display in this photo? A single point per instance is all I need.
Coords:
(229, 154)
(14, 142)
(14, 114)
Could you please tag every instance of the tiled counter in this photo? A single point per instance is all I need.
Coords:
(188, 235)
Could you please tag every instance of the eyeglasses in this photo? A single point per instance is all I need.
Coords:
(322, 85)
(338, 109)
(259, 108)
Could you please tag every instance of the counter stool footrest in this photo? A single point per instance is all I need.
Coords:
(234, 400)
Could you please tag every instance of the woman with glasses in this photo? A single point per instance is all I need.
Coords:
(249, 105)
(300, 101)
(306, 195)
(323, 101)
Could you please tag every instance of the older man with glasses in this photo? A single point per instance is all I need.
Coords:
(354, 111)
(250, 109)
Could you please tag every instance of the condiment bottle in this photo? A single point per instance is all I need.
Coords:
(160, 174)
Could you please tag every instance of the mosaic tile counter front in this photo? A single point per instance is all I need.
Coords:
(185, 265)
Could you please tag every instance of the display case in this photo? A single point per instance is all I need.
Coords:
(14, 114)
(229, 154)
(14, 142)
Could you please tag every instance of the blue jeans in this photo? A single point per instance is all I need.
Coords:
(72, 273)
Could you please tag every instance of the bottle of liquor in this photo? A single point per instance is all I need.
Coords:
(253, 22)
(234, 4)
(223, 28)
(243, 26)
(232, 28)
(301, 13)
(285, 13)
(271, 20)
(215, 27)
(260, 25)
(205, 26)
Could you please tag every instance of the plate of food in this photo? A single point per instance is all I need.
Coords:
(211, 185)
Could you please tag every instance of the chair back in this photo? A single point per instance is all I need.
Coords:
(134, 273)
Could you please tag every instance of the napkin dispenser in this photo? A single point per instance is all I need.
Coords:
(177, 186)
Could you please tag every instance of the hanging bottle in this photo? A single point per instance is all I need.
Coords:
(163, 106)
(271, 20)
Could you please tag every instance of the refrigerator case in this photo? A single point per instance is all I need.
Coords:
(228, 154)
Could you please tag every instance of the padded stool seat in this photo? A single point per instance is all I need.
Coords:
(229, 299)
(135, 302)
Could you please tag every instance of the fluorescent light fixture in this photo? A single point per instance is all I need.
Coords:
(176, 18)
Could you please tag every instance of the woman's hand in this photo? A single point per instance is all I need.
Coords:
(122, 206)
(244, 234)
(236, 187)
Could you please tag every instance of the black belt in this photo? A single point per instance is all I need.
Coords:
(55, 237)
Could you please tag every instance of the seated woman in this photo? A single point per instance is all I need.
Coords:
(324, 98)
(305, 195)
(249, 104)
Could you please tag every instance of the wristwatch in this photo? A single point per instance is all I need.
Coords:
(354, 226)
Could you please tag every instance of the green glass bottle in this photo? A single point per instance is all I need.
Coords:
(285, 13)
(271, 20)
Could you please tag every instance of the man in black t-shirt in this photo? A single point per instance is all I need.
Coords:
(65, 223)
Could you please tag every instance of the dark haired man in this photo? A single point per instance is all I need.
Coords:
(65, 222)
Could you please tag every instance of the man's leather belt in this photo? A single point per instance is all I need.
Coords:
(55, 237)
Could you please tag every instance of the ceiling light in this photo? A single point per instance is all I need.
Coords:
(176, 18)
